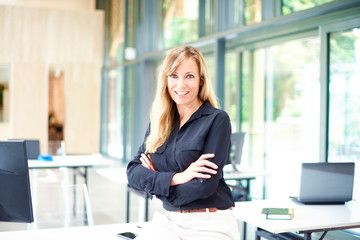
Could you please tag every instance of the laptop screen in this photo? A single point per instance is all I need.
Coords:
(326, 182)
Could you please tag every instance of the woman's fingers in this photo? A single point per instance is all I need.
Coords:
(203, 168)
(203, 161)
(147, 162)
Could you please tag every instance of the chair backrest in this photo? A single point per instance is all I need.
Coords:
(236, 148)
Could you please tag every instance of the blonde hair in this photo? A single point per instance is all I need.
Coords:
(163, 108)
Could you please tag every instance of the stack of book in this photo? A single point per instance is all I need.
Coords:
(278, 213)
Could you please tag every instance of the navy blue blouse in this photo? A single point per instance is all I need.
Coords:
(208, 130)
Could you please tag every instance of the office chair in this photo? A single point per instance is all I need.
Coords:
(236, 147)
(238, 191)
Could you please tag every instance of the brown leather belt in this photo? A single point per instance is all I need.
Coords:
(200, 210)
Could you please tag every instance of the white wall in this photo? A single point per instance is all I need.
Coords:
(32, 41)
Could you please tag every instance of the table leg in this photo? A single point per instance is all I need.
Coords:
(127, 205)
(307, 236)
(85, 176)
(247, 198)
(244, 231)
(257, 234)
(146, 209)
(74, 191)
(74, 175)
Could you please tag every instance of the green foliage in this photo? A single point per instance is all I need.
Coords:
(290, 6)
(341, 45)
(182, 31)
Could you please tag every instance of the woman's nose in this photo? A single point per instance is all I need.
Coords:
(181, 81)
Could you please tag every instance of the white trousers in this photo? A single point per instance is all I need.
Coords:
(219, 225)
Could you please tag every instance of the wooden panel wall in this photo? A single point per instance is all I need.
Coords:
(35, 39)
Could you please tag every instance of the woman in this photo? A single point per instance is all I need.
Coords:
(184, 152)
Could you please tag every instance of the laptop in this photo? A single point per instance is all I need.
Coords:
(326, 183)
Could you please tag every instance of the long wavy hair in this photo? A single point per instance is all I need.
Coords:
(162, 115)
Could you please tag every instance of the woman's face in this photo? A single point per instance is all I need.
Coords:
(184, 83)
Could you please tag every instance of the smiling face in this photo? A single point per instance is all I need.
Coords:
(184, 84)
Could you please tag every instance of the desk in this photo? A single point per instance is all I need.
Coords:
(308, 218)
(118, 175)
(72, 161)
(103, 232)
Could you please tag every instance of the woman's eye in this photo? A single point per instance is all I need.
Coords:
(190, 76)
(173, 75)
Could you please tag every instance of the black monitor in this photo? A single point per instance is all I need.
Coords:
(15, 194)
(32, 148)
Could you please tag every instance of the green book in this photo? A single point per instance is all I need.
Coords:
(278, 213)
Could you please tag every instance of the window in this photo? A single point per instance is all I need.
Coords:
(232, 88)
(209, 17)
(129, 111)
(132, 21)
(210, 63)
(253, 12)
(344, 95)
(180, 22)
(117, 31)
(290, 6)
(113, 120)
(281, 104)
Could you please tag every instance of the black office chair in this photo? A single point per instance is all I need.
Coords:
(238, 191)
(236, 147)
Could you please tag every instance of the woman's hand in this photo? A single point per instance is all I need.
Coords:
(201, 168)
(147, 162)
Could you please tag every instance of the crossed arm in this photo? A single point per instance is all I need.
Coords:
(201, 168)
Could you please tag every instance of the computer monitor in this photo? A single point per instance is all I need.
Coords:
(15, 194)
(32, 148)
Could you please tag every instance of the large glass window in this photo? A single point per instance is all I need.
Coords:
(117, 31)
(344, 95)
(281, 90)
(130, 113)
(180, 22)
(253, 12)
(232, 88)
(115, 108)
(210, 63)
(132, 22)
(290, 6)
(344, 100)
(209, 17)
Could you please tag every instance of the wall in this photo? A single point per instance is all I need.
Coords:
(34, 40)
(58, 4)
